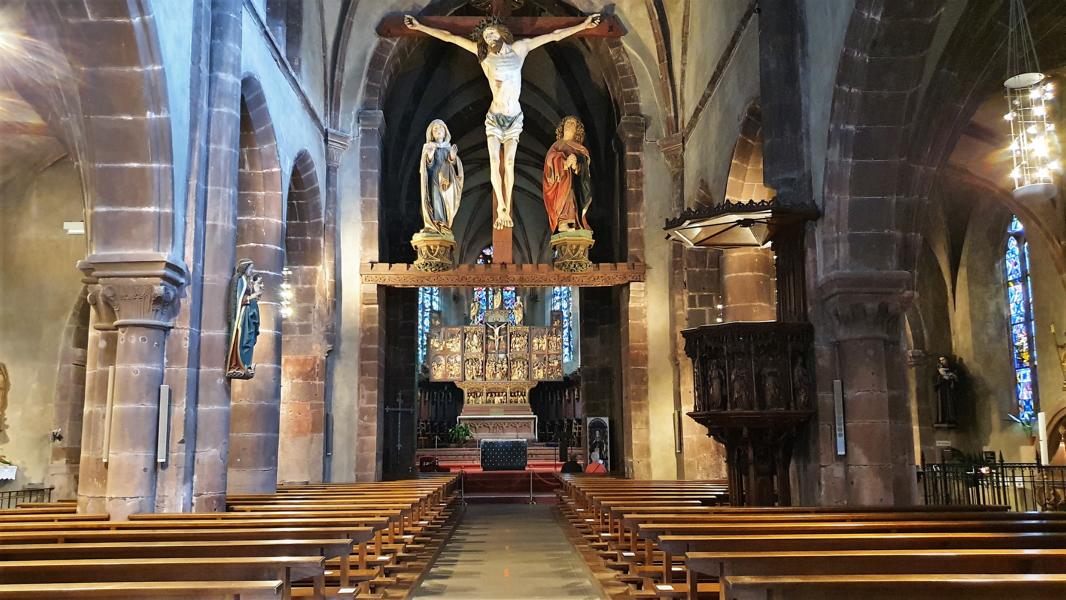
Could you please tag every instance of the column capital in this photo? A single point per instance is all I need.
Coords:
(134, 290)
(631, 128)
(867, 304)
(372, 120)
(673, 149)
(337, 143)
(917, 358)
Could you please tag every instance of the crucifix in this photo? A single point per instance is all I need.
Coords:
(399, 410)
(501, 57)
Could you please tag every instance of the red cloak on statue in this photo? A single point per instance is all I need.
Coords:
(567, 195)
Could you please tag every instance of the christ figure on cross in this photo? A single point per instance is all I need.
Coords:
(501, 58)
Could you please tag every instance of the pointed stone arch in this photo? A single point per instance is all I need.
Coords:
(304, 349)
(254, 421)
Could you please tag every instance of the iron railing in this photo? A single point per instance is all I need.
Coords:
(12, 498)
(1019, 486)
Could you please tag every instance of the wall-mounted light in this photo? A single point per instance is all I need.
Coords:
(286, 293)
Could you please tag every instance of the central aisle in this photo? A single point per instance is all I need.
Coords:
(508, 551)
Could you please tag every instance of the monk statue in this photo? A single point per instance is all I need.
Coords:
(441, 176)
(567, 180)
(245, 289)
(501, 58)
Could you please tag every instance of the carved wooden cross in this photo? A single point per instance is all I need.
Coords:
(522, 27)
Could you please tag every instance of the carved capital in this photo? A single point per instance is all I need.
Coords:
(673, 149)
(141, 302)
(917, 358)
(631, 128)
(337, 143)
(134, 291)
(865, 305)
(105, 314)
(372, 121)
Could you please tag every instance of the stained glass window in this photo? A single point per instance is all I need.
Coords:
(1022, 323)
(563, 301)
(428, 301)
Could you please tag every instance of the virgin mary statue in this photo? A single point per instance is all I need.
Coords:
(441, 175)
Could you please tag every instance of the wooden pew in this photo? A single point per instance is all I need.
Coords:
(355, 513)
(585, 505)
(856, 562)
(286, 569)
(238, 590)
(895, 587)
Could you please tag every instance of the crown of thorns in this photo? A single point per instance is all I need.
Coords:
(486, 23)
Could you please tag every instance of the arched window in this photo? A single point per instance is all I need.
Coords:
(563, 301)
(1022, 323)
(428, 302)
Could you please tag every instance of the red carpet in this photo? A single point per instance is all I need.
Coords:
(509, 486)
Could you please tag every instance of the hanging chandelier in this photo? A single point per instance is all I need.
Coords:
(1033, 144)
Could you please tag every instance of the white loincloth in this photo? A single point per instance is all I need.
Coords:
(496, 125)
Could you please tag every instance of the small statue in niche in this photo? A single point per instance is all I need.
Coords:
(519, 311)
(800, 385)
(771, 389)
(244, 291)
(475, 310)
(717, 378)
(437, 370)
(441, 175)
(738, 383)
(947, 385)
(567, 179)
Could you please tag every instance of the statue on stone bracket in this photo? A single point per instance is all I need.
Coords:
(567, 196)
(440, 178)
(948, 386)
(567, 179)
(441, 175)
(502, 58)
(244, 291)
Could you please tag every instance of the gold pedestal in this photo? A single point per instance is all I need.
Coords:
(435, 250)
(571, 250)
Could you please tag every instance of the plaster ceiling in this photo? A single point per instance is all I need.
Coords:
(27, 143)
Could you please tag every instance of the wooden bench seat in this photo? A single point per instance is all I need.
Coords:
(242, 590)
(287, 569)
(896, 587)
(981, 561)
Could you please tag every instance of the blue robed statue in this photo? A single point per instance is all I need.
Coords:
(244, 291)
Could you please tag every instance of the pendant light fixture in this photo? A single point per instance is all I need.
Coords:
(1033, 143)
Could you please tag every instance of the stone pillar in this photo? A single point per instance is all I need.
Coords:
(748, 284)
(919, 377)
(782, 48)
(636, 438)
(255, 409)
(219, 257)
(866, 311)
(100, 354)
(369, 414)
(337, 143)
(141, 298)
